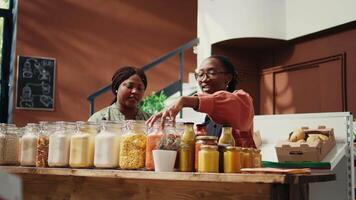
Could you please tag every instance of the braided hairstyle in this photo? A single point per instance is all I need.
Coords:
(123, 74)
(229, 69)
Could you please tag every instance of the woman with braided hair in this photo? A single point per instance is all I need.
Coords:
(223, 104)
(128, 85)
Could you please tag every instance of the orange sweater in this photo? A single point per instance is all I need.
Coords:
(234, 109)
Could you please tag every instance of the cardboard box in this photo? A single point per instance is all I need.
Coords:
(307, 151)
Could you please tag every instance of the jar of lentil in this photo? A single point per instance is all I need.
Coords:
(203, 140)
(133, 145)
(232, 163)
(9, 145)
(208, 159)
(46, 129)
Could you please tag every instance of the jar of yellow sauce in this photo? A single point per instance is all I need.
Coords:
(208, 159)
(246, 158)
(257, 160)
(203, 140)
(186, 153)
(232, 159)
(226, 137)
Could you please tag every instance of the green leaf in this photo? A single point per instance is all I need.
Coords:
(153, 103)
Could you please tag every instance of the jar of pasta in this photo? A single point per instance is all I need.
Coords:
(29, 145)
(107, 145)
(208, 159)
(133, 145)
(232, 163)
(82, 145)
(203, 140)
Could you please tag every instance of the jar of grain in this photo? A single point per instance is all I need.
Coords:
(29, 145)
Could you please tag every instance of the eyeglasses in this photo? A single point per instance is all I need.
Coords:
(199, 75)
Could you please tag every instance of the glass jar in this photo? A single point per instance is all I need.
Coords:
(201, 130)
(107, 145)
(133, 145)
(82, 145)
(29, 145)
(226, 137)
(21, 132)
(186, 153)
(257, 158)
(232, 163)
(203, 140)
(9, 145)
(153, 138)
(246, 158)
(59, 144)
(208, 159)
(45, 129)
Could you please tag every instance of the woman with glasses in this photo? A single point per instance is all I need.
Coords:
(223, 104)
(128, 86)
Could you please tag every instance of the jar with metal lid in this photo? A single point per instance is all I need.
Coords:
(246, 158)
(9, 145)
(203, 140)
(257, 160)
(226, 137)
(59, 144)
(232, 163)
(82, 145)
(107, 145)
(29, 145)
(133, 145)
(45, 129)
(186, 153)
(208, 159)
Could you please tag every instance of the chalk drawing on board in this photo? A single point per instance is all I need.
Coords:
(35, 83)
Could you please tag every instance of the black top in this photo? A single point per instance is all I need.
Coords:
(213, 129)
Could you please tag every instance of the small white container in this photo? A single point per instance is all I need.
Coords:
(164, 160)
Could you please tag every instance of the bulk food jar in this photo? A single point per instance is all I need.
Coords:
(9, 145)
(29, 145)
(203, 140)
(186, 152)
(82, 145)
(133, 145)
(154, 136)
(45, 130)
(208, 159)
(59, 144)
(232, 159)
(107, 145)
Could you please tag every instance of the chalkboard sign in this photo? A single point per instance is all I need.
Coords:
(35, 83)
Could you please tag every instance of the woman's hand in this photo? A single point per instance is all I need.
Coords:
(170, 113)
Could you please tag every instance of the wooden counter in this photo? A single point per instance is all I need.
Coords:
(64, 183)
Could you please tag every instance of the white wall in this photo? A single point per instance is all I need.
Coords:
(308, 16)
(220, 20)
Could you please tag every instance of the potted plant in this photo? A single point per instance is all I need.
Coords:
(153, 103)
(165, 154)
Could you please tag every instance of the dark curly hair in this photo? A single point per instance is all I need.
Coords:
(229, 69)
(123, 74)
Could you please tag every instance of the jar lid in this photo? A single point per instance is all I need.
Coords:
(233, 148)
(188, 123)
(206, 137)
(212, 147)
(200, 125)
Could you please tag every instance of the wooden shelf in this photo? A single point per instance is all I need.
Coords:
(174, 176)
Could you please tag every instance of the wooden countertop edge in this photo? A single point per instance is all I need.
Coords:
(173, 176)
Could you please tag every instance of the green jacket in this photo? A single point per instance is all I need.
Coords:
(112, 113)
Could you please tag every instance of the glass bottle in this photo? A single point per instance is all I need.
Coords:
(59, 144)
(226, 137)
(133, 145)
(201, 130)
(29, 145)
(186, 153)
(232, 163)
(257, 160)
(203, 140)
(208, 159)
(246, 158)
(82, 145)
(107, 145)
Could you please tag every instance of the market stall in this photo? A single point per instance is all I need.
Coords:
(57, 183)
